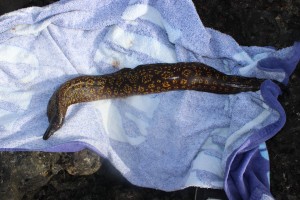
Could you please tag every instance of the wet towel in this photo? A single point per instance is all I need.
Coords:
(166, 141)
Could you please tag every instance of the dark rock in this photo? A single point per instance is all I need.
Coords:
(82, 163)
(9, 5)
(23, 173)
(261, 23)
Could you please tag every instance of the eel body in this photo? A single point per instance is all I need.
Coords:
(144, 79)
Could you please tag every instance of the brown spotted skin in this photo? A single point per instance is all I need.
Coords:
(144, 79)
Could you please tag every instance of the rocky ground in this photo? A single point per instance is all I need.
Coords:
(83, 175)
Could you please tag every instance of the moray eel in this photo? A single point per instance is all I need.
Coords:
(144, 79)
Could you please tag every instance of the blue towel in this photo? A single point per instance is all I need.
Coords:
(168, 141)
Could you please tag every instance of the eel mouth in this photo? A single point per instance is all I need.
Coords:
(48, 133)
(55, 124)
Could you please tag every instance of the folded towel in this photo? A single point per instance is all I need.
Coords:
(166, 141)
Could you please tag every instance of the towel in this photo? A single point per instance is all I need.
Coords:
(168, 141)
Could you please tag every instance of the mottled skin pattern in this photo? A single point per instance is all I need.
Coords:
(144, 79)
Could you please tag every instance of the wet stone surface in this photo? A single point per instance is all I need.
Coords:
(39, 175)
